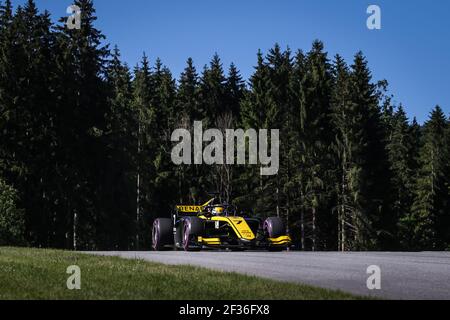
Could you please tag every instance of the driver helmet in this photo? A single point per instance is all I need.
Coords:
(217, 211)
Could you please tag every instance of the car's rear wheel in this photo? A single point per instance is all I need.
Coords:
(162, 234)
(193, 228)
(274, 228)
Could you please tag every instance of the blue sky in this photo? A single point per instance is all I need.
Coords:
(411, 51)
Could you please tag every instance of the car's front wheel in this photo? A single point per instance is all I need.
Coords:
(274, 228)
(162, 234)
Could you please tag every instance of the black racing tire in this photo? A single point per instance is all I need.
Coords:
(274, 227)
(179, 236)
(162, 234)
(192, 227)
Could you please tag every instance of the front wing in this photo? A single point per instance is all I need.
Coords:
(280, 242)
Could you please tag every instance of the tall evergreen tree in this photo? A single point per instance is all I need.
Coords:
(280, 67)
(375, 173)
(27, 99)
(347, 146)
(145, 145)
(188, 91)
(36, 43)
(263, 108)
(163, 104)
(190, 178)
(406, 220)
(81, 124)
(234, 92)
(430, 208)
(401, 159)
(315, 128)
(212, 90)
(254, 109)
(118, 172)
(294, 173)
(7, 89)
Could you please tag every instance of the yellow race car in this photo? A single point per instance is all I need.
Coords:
(216, 225)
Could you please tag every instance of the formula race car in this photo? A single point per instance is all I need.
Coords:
(216, 225)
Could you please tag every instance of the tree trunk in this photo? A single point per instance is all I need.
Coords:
(314, 228)
(278, 201)
(302, 217)
(75, 234)
(138, 190)
(339, 218)
(343, 238)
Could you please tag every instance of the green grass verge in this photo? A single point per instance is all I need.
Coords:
(41, 274)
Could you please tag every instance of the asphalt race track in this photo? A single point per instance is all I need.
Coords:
(423, 275)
